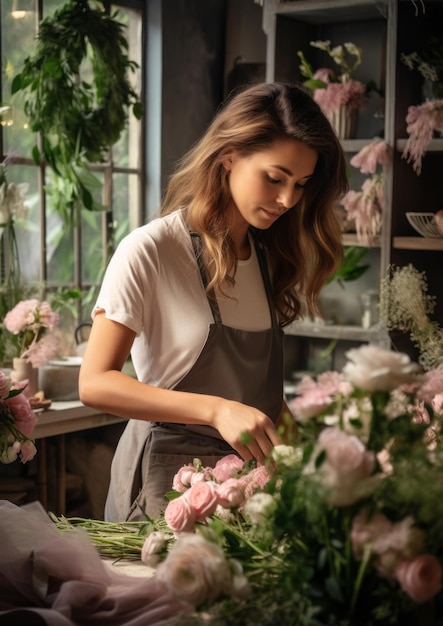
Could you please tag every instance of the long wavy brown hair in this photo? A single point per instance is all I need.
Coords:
(304, 246)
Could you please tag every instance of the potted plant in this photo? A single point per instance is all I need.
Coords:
(78, 97)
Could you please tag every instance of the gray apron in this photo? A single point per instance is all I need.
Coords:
(246, 366)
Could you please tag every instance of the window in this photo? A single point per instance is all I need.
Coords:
(53, 254)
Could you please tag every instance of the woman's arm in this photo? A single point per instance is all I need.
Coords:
(103, 386)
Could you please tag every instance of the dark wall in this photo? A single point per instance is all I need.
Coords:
(193, 54)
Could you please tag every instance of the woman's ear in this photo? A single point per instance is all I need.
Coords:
(227, 161)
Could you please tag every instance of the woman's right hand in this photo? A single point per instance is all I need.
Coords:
(246, 429)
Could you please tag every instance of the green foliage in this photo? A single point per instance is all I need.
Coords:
(351, 269)
(77, 96)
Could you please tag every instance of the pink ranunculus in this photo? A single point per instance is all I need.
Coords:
(202, 499)
(179, 516)
(27, 451)
(420, 578)
(230, 493)
(227, 467)
(182, 479)
(431, 385)
(348, 466)
(24, 417)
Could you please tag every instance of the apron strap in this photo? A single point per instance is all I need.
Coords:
(197, 245)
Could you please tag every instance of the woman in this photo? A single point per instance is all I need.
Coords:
(246, 240)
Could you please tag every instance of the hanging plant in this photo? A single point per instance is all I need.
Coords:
(77, 96)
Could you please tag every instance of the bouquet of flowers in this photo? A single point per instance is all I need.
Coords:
(30, 322)
(342, 527)
(17, 421)
(330, 89)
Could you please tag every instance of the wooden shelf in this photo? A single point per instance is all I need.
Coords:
(319, 330)
(328, 11)
(435, 145)
(418, 243)
(350, 239)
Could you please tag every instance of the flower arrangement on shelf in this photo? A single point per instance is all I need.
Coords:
(31, 323)
(336, 529)
(17, 422)
(364, 208)
(425, 119)
(334, 90)
(406, 305)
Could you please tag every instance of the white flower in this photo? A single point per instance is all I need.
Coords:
(373, 368)
(153, 547)
(260, 507)
(287, 456)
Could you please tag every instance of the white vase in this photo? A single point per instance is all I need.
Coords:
(22, 370)
(344, 122)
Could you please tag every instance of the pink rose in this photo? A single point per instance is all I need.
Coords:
(202, 499)
(420, 578)
(347, 467)
(179, 516)
(230, 493)
(227, 467)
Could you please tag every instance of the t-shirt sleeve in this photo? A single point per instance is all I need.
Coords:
(129, 281)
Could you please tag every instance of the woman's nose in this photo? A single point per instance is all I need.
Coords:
(287, 198)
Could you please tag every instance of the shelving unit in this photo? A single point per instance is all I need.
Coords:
(383, 29)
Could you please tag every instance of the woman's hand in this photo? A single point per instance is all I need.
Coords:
(246, 429)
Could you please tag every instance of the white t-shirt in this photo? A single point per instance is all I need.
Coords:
(152, 285)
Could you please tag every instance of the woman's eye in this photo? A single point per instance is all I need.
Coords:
(299, 186)
(273, 181)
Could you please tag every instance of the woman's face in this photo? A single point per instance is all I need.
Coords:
(269, 183)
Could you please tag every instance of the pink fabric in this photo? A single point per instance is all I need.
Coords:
(62, 578)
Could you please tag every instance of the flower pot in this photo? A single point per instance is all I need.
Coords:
(23, 370)
(344, 122)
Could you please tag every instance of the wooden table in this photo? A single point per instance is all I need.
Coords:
(62, 418)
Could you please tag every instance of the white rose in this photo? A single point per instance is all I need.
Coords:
(373, 368)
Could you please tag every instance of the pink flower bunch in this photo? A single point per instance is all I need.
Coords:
(30, 322)
(375, 153)
(316, 396)
(350, 93)
(347, 470)
(421, 122)
(204, 490)
(17, 422)
(365, 207)
(398, 553)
